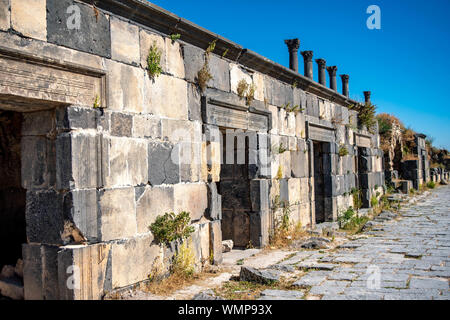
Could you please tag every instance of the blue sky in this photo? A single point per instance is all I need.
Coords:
(405, 64)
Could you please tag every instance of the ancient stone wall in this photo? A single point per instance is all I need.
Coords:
(110, 148)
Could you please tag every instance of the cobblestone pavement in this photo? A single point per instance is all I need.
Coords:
(405, 258)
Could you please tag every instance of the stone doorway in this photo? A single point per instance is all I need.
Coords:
(319, 181)
(234, 186)
(12, 194)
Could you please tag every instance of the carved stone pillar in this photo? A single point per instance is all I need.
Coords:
(322, 65)
(345, 78)
(307, 59)
(332, 73)
(293, 46)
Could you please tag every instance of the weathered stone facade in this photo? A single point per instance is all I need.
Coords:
(418, 171)
(105, 148)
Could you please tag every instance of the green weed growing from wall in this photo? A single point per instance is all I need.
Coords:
(154, 61)
(170, 227)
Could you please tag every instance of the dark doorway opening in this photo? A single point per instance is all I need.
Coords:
(12, 195)
(234, 186)
(319, 183)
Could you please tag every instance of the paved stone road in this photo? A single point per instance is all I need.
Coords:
(411, 257)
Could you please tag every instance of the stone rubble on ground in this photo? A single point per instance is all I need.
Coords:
(259, 276)
(227, 245)
(281, 295)
(11, 282)
(207, 295)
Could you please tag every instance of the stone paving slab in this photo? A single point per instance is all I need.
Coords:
(406, 258)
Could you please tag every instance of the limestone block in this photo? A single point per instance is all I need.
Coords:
(146, 126)
(298, 164)
(44, 217)
(291, 122)
(125, 87)
(204, 233)
(192, 198)
(78, 26)
(344, 115)
(275, 165)
(214, 210)
(259, 195)
(278, 93)
(77, 159)
(29, 17)
(294, 190)
(300, 128)
(84, 271)
(171, 55)
(200, 241)
(213, 156)
(304, 190)
(194, 102)
(268, 89)
(204, 163)
(174, 59)
(285, 162)
(166, 96)
(194, 58)
(181, 130)
(258, 80)
(273, 191)
(80, 207)
(190, 155)
(216, 241)
(353, 118)
(121, 124)
(305, 214)
(294, 215)
(292, 143)
(148, 39)
(284, 189)
(124, 41)
(75, 117)
(236, 75)
(152, 202)
(126, 161)
(117, 213)
(38, 162)
(324, 110)
(315, 106)
(322, 114)
(31, 46)
(5, 15)
(163, 163)
(132, 260)
(264, 152)
(282, 122)
(220, 72)
(274, 111)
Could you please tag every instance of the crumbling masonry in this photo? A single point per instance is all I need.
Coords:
(93, 148)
